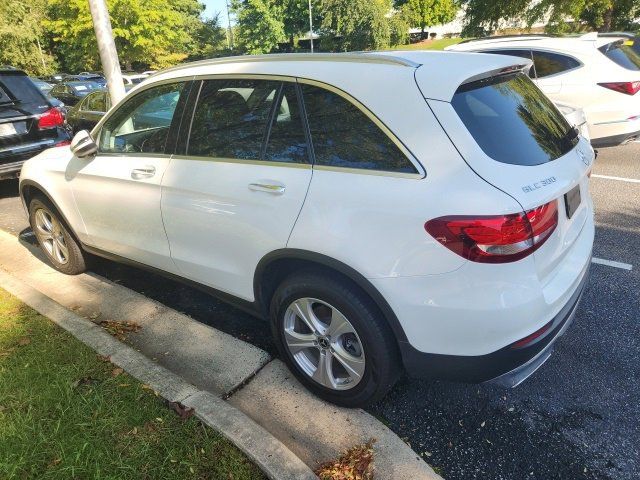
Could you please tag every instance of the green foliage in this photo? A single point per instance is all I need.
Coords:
(22, 38)
(484, 16)
(210, 39)
(157, 33)
(260, 24)
(356, 24)
(426, 13)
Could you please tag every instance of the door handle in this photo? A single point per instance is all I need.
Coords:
(144, 172)
(267, 187)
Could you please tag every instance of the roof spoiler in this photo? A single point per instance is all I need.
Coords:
(522, 67)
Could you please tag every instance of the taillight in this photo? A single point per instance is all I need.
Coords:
(630, 88)
(50, 119)
(63, 143)
(496, 238)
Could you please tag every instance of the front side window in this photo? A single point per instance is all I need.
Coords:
(627, 56)
(231, 117)
(513, 121)
(547, 63)
(343, 136)
(142, 123)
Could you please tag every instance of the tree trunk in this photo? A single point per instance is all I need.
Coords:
(422, 27)
(607, 20)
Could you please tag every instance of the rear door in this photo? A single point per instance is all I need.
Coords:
(235, 192)
(516, 139)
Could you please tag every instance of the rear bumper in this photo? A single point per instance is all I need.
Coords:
(507, 366)
(12, 158)
(615, 140)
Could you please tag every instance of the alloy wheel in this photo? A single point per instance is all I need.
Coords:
(51, 236)
(324, 344)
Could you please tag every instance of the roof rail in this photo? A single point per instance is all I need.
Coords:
(363, 57)
(500, 37)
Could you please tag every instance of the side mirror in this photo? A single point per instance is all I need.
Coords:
(83, 145)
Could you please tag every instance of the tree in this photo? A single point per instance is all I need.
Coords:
(209, 39)
(260, 25)
(482, 16)
(22, 37)
(295, 17)
(156, 33)
(426, 13)
(356, 24)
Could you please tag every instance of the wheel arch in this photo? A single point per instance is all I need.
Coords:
(277, 265)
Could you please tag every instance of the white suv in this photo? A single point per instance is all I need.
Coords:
(601, 75)
(425, 211)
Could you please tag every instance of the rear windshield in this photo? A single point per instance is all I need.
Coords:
(513, 121)
(17, 88)
(623, 54)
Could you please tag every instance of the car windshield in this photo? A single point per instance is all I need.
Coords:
(623, 53)
(513, 121)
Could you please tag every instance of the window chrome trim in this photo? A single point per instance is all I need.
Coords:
(364, 171)
(264, 163)
(421, 171)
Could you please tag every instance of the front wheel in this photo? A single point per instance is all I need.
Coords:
(334, 339)
(55, 239)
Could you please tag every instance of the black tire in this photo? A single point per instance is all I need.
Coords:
(75, 261)
(382, 360)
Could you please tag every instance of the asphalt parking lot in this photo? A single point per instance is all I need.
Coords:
(577, 417)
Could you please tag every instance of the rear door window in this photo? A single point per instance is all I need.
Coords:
(287, 141)
(548, 63)
(624, 55)
(343, 136)
(231, 117)
(513, 121)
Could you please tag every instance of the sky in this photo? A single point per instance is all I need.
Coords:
(214, 6)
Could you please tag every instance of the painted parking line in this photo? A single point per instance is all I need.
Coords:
(611, 263)
(620, 179)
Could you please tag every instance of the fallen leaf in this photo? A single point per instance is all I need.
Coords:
(355, 464)
(24, 341)
(116, 371)
(146, 387)
(182, 411)
(83, 381)
(483, 424)
(511, 409)
(94, 315)
(124, 384)
(135, 430)
(428, 454)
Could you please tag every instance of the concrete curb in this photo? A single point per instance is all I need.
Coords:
(268, 453)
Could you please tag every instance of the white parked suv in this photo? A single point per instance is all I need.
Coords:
(601, 75)
(385, 211)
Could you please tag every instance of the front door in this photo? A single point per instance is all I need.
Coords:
(118, 191)
(236, 191)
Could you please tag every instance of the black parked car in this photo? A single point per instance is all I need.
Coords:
(55, 78)
(71, 92)
(87, 112)
(28, 122)
(44, 87)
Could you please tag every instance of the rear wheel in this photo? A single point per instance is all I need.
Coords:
(55, 239)
(334, 339)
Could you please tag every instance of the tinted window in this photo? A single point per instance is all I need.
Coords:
(287, 142)
(230, 119)
(513, 121)
(95, 102)
(547, 63)
(142, 123)
(623, 55)
(514, 53)
(18, 88)
(343, 136)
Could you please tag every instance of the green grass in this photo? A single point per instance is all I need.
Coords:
(64, 415)
(437, 44)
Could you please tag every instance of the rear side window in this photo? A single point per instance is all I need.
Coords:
(287, 141)
(513, 121)
(18, 88)
(624, 55)
(343, 136)
(547, 63)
